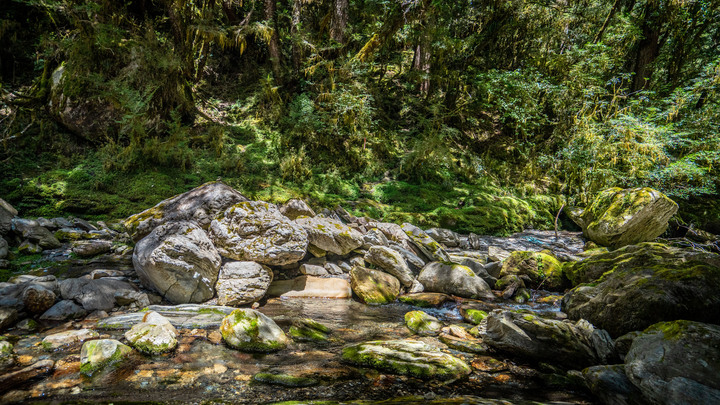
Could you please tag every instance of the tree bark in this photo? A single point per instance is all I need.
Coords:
(338, 21)
(649, 46)
(295, 35)
(274, 44)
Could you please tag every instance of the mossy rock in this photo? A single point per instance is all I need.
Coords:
(374, 287)
(422, 323)
(544, 269)
(309, 330)
(251, 331)
(100, 354)
(407, 357)
(425, 300)
(474, 316)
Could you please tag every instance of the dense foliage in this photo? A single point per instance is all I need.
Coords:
(336, 99)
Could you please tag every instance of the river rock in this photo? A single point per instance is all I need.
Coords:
(374, 287)
(313, 270)
(93, 295)
(295, 208)
(37, 299)
(30, 229)
(497, 254)
(454, 279)
(543, 268)
(242, 283)
(179, 261)
(309, 330)
(135, 299)
(8, 316)
(154, 335)
(184, 316)
(646, 284)
(676, 362)
(374, 237)
(199, 205)
(391, 262)
(101, 353)
(618, 217)
(422, 323)
(252, 331)
(311, 287)
(71, 234)
(257, 231)
(7, 355)
(68, 338)
(407, 357)
(425, 300)
(610, 385)
(11, 380)
(526, 335)
(445, 237)
(63, 310)
(92, 248)
(331, 235)
(477, 267)
(427, 245)
(7, 213)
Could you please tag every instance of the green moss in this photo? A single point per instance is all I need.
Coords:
(284, 380)
(475, 316)
(673, 330)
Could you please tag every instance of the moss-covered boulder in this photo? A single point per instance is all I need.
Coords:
(406, 357)
(645, 284)
(543, 269)
(374, 287)
(251, 331)
(676, 363)
(154, 335)
(330, 235)
(422, 323)
(454, 279)
(309, 330)
(568, 344)
(620, 217)
(199, 205)
(474, 316)
(7, 355)
(179, 261)
(391, 262)
(257, 231)
(101, 353)
(427, 245)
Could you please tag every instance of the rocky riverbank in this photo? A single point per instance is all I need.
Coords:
(210, 296)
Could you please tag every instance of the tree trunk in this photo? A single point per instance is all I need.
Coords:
(295, 35)
(273, 45)
(421, 63)
(338, 21)
(609, 17)
(649, 46)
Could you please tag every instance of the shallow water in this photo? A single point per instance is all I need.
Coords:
(203, 369)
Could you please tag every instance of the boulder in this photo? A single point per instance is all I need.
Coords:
(295, 208)
(311, 287)
(37, 298)
(242, 283)
(374, 237)
(3, 248)
(544, 270)
(374, 287)
(7, 213)
(101, 353)
(645, 284)
(477, 267)
(30, 230)
(93, 295)
(179, 261)
(391, 262)
(497, 254)
(618, 217)
(676, 362)
(454, 279)
(423, 324)
(427, 245)
(407, 357)
(309, 330)
(8, 316)
(199, 205)
(68, 338)
(331, 235)
(313, 270)
(134, 299)
(425, 300)
(92, 248)
(564, 343)
(445, 237)
(154, 335)
(251, 331)
(63, 310)
(393, 232)
(610, 385)
(257, 231)
(29, 248)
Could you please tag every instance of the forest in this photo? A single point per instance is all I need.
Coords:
(479, 116)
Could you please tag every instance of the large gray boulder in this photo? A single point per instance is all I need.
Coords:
(179, 261)
(257, 231)
(31, 230)
(374, 287)
(391, 262)
(645, 284)
(572, 345)
(611, 386)
(242, 283)
(7, 213)
(427, 245)
(331, 235)
(454, 279)
(295, 208)
(620, 217)
(676, 363)
(199, 205)
(93, 295)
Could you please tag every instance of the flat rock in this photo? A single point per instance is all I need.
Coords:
(311, 287)
(185, 316)
(17, 378)
(68, 338)
(93, 294)
(425, 299)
